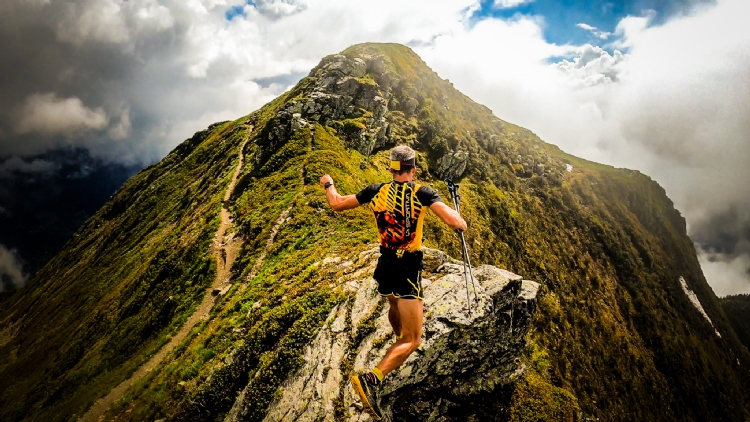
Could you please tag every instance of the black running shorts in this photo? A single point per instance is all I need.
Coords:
(400, 276)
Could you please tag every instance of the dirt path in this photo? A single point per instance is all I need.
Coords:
(225, 250)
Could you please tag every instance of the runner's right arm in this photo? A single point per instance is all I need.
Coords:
(338, 202)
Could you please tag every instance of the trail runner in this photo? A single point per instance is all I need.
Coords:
(399, 207)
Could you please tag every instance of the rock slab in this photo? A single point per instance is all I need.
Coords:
(462, 357)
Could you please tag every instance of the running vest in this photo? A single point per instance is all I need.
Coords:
(399, 214)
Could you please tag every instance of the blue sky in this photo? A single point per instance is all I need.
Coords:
(562, 16)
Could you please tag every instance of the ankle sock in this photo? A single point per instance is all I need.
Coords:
(375, 376)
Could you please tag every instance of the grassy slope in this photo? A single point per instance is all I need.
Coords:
(614, 334)
(737, 308)
(130, 276)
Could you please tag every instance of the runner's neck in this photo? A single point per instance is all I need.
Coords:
(401, 178)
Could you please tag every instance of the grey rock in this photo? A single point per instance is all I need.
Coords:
(462, 357)
(410, 106)
(433, 259)
(376, 66)
(453, 164)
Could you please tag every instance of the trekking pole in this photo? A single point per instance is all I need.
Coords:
(453, 189)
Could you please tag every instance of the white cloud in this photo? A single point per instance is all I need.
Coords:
(508, 4)
(276, 9)
(12, 276)
(49, 115)
(726, 277)
(593, 66)
(603, 35)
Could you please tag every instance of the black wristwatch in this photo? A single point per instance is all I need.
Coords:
(327, 185)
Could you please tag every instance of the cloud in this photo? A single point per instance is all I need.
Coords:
(47, 114)
(15, 164)
(121, 130)
(11, 270)
(603, 35)
(728, 277)
(724, 234)
(276, 9)
(136, 78)
(509, 4)
(592, 66)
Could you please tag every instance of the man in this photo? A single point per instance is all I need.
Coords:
(399, 208)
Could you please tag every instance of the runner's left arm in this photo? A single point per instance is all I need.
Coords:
(429, 197)
(338, 202)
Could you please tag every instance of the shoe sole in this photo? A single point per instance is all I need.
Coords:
(362, 396)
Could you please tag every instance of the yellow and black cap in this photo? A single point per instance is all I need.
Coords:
(403, 164)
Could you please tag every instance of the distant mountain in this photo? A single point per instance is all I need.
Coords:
(41, 210)
(218, 285)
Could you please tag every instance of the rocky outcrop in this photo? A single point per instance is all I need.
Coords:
(462, 358)
(453, 165)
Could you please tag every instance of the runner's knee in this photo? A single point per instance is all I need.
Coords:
(413, 343)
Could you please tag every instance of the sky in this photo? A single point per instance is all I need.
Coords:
(658, 86)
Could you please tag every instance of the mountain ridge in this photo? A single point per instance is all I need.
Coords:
(613, 329)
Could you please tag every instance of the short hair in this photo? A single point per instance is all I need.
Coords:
(402, 153)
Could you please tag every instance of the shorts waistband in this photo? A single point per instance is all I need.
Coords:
(398, 252)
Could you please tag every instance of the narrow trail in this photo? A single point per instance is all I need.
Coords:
(225, 251)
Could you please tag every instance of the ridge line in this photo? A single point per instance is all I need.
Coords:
(224, 260)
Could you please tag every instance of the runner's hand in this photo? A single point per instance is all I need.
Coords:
(325, 179)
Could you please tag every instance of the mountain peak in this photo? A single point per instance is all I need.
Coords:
(376, 96)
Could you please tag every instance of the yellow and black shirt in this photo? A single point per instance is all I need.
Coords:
(399, 212)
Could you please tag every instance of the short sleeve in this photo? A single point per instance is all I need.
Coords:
(428, 196)
(365, 195)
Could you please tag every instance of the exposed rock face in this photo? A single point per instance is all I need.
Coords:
(461, 358)
(453, 165)
(354, 88)
(356, 96)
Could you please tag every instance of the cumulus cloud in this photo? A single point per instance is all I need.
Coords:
(12, 276)
(49, 115)
(592, 66)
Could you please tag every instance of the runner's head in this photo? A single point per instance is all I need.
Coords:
(403, 161)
